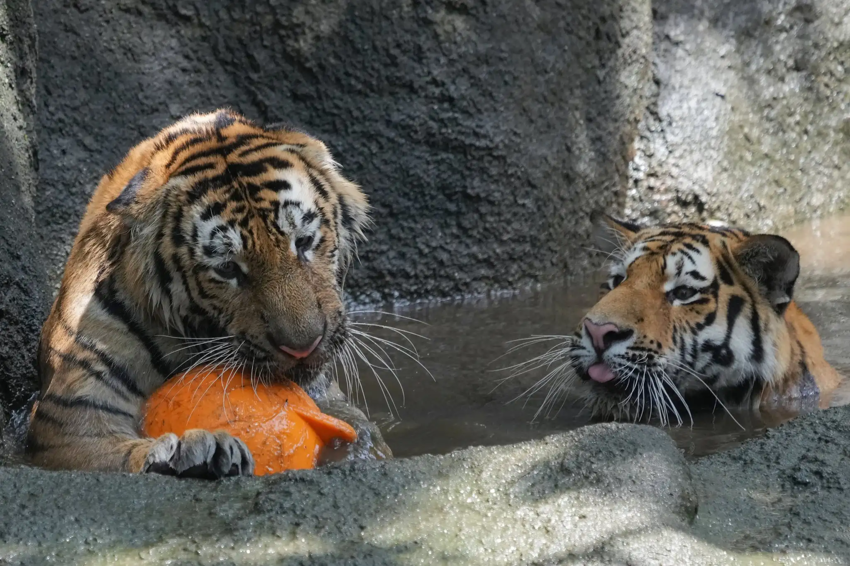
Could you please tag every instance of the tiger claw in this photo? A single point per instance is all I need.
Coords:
(199, 454)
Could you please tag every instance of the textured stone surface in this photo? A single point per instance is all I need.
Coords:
(589, 495)
(23, 297)
(787, 493)
(748, 114)
(484, 133)
(605, 494)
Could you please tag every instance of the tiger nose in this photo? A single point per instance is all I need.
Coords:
(605, 335)
(298, 341)
(300, 351)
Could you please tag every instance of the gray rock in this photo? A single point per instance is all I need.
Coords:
(787, 493)
(748, 113)
(592, 494)
(23, 298)
(484, 133)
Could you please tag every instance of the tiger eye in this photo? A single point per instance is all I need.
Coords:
(229, 270)
(683, 293)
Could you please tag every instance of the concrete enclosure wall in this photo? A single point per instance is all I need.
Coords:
(23, 296)
(484, 133)
(748, 113)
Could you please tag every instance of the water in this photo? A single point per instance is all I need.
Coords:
(463, 406)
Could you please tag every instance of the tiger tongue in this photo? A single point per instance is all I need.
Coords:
(600, 373)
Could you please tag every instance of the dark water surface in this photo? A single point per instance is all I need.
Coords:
(464, 405)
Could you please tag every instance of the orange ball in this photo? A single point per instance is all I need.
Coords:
(280, 423)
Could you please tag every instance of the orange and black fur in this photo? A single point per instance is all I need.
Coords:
(694, 313)
(216, 240)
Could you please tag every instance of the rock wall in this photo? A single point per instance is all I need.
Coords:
(748, 113)
(23, 296)
(484, 133)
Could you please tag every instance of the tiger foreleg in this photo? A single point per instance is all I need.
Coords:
(370, 444)
(60, 440)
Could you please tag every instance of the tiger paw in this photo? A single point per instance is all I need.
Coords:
(199, 454)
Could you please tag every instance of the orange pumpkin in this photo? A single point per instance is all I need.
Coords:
(280, 423)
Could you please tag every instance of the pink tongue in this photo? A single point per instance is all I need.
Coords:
(600, 373)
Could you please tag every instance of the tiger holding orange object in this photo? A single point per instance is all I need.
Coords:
(279, 423)
(216, 241)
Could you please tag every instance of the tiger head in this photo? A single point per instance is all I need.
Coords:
(688, 312)
(241, 233)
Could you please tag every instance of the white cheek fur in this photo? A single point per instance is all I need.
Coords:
(217, 241)
(680, 267)
(298, 216)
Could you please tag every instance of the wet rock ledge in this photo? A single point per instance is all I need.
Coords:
(591, 494)
(605, 494)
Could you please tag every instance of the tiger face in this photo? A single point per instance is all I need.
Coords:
(687, 312)
(241, 233)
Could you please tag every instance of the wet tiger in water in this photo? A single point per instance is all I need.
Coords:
(690, 315)
(215, 231)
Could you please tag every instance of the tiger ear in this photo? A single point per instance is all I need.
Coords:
(354, 206)
(128, 194)
(774, 264)
(610, 234)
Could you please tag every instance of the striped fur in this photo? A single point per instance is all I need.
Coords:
(701, 312)
(213, 228)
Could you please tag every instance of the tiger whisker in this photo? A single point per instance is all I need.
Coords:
(555, 353)
(565, 337)
(400, 331)
(564, 398)
(710, 390)
(616, 254)
(544, 362)
(237, 370)
(225, 384)
(567, 341)
(641, 394)
(402, 317)
(399, 348)
(385, 365)
(654, 402)
(198, 345)
(377, 344)
(541, 383)
(352, 376)
(360, 333)
(212, 357)
(351, 364)
(669, 381)
(192, 338)
(388, 398)
(230, 364)
(663, 402)
(635, 383)
(561, 375)
(214, 348)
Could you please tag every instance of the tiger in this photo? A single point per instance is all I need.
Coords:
(215, 230)
(693, 316)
